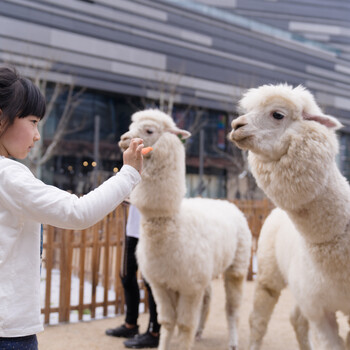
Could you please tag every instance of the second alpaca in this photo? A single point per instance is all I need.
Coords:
(292, 149)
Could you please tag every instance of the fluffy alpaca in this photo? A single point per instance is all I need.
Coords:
(184, 243)
(292, 148)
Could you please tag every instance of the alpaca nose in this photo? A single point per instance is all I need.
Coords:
(238, 122)
(125, 137)
(125, 140)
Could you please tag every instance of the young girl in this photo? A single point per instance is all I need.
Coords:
(26, 202)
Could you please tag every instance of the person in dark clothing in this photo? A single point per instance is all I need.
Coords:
(130, 328)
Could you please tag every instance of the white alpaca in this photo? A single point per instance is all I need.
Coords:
(292, 148)
(184, 243)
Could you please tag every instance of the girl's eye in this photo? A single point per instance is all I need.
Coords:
(277, 115)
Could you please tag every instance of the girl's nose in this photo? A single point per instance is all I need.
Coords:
(37, 136)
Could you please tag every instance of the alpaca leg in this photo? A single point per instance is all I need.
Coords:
(166, 333)
(348, 338)
(187, 318)
(233, 288)
(324, 333)
(166, 301)
(301, 328)
(265, 299)
(204, 312)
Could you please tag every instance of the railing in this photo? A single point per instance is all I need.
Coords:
(94, 257)
(92, 260)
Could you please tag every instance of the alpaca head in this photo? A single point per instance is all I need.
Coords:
(163, 182)
(292, 144)
(274, 115)
(150, 125)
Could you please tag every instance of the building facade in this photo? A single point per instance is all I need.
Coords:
(195, 57)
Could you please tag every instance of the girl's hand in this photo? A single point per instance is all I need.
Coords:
(132, 156)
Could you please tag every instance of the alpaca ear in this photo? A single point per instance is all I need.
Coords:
(183, 134)
(326, 120)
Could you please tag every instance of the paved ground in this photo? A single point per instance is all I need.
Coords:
(90, 335)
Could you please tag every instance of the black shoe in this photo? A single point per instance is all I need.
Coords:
(123, 331)
(146, 340)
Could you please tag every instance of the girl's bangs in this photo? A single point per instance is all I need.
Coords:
(34, 101)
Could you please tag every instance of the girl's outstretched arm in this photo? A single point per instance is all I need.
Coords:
(24, 194)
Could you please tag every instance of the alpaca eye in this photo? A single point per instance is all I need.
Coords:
(277, 115)
(149, 132)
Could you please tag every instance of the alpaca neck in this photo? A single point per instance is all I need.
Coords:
(163, 186)
(153, 227)
(327, 215)
(306, 183)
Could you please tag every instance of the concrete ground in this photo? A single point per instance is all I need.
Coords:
(91, 335)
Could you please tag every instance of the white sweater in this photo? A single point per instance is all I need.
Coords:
(25, 203)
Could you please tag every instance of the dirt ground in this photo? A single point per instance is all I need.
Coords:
(91, 335)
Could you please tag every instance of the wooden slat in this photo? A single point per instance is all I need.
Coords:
(106, 229)
(65, 275)
(69, 248)
(48, 266)
(94, 269)
(81, 274)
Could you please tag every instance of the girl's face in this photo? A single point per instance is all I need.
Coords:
(20, 137)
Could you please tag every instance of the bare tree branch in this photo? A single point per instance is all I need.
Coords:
(39, 156)
(71, 104)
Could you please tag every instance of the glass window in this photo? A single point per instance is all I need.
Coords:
(215, 129)
(73, 166)
(344, 155)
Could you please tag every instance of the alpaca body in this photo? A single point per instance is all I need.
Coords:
(317, 261)
(180, 255)
(207, 244)
(292, 147)
(184, 243)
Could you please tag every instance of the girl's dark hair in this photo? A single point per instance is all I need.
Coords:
(19, 97)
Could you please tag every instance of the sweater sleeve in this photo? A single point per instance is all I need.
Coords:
(20, 191)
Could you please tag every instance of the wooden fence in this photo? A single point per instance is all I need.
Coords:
(94, 258)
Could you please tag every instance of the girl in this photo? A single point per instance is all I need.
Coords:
(26, 202)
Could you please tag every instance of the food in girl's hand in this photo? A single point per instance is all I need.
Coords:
(146, 150)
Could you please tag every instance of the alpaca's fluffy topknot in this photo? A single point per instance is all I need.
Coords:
(155, 115)
(298, 97)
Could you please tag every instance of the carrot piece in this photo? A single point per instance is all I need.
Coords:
(146, 150)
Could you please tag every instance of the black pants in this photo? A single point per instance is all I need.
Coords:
(131, 289)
